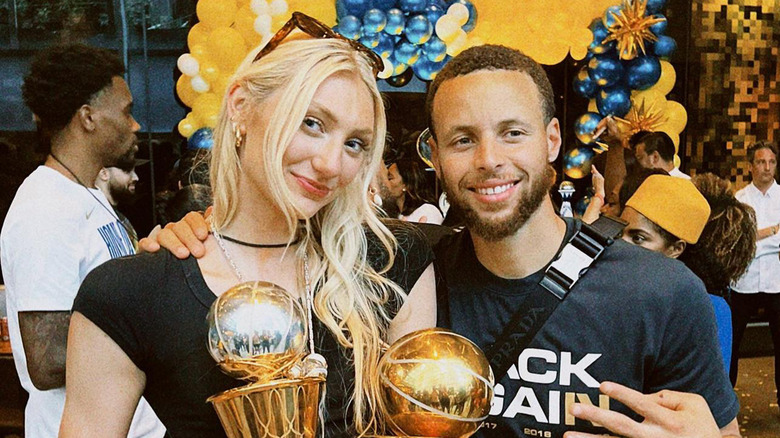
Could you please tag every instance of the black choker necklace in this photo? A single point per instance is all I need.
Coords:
(258, 245)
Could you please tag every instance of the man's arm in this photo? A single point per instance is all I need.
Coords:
(180, 238)
(666, 414)
(45, 338)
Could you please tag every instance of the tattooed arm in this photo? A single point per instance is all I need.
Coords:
(45, 336)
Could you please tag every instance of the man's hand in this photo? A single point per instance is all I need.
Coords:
(181, 238)
(666, 413)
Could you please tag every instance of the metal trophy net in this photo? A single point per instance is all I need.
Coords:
(435, 383)
(258, 332)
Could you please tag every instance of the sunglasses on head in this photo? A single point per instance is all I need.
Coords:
(317, 29)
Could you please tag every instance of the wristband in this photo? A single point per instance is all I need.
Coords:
(603, 201)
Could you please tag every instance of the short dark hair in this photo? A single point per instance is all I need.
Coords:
(636, 138)
(762, 144)
(62, 78)
(493, 57)
(658, 142)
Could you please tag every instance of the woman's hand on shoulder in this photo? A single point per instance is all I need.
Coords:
(183, 238)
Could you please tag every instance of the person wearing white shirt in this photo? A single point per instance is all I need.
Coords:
(655, 150)
(59, 226)
(760, 286)
(406, 192)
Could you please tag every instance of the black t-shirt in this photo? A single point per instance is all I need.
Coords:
(636, 317)
(154, 307)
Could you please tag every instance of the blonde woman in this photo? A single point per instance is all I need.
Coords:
(299, 137)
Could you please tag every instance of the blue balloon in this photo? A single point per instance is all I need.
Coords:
(357, 8)
(406, 53)
(418, 29)
(584, 85)
(609, 15)
(384, 4)
(577, 162)
(615, 101)
(396, 22)
(659, 28)
(585, 126)
(605, 70)
(434, 12)
(435, 49)
(385, 46)
(442, 4)
(599, 34)
(203, 138)
(398, 66)
(472, 22)
(350, 27)
(370, 40)
(643, 72)
(426, 69)
(655, 6)
(412, 6)
(665, 46)
(374, 21)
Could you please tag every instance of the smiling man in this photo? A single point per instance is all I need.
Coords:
(491, 112)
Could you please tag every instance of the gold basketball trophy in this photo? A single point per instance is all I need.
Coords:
(435, 383)
(258, 333)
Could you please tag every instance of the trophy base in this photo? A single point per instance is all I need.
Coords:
(286, 408)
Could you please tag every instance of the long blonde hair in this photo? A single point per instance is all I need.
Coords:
(350, 294)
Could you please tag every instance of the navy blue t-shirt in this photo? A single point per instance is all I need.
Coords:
(636, 317)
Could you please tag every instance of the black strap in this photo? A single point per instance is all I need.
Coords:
(569, 265)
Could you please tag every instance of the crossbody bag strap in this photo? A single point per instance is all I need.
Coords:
(569, 265)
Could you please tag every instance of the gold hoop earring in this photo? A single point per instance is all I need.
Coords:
(239, 136)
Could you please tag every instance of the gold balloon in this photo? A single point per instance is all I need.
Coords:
(199, 33)
(245, 25)
(435, 383)
(666, 81)
(226, 47)
(186, 127)
(216, 13)
(677, 116)
(185, 92)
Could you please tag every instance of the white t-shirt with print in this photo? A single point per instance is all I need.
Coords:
(54, 234)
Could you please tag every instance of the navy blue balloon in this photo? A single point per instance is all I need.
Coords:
(354, 7)
(426, 69)
(472, 22)
(585, 126)
(577, 162)
(418, 29)
(665, 46)
(412, 6)
(385, 46)
(434, 12)
(643, 72)
(350, 27)
(440, 3)
(401, 79)
(605, 70)
(654, 6)
(599, 34)
(384, 4)
(435, 49)
(584, 85)
(615, 101)
(609, 14)
(396, 22)
(203, 138)
(659, 28)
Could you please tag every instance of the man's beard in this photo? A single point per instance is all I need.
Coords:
(493, 230)
(122, 195)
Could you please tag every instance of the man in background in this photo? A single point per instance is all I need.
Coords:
(59, 226)
(760, 286)
(655, 150)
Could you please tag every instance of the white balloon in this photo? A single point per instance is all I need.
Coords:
(387, 71)
(446, 26)
(188, 64)
(259, 7)
(278, 7)
(459, 12)
(458, 44)
(263, 24)
(199, 84)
